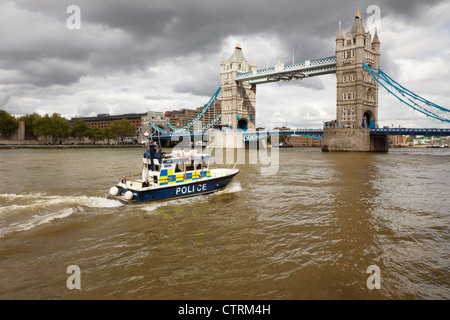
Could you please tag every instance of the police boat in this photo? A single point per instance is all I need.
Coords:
(175, 175)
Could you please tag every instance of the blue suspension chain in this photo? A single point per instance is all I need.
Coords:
(405, 92)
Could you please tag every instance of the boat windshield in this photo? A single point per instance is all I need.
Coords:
(185, 158)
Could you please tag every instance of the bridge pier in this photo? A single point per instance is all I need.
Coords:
(353, 140)
(379, 143)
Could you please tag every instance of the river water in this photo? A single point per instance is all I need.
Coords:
(309, 230)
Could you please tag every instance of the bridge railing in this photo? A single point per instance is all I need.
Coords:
(412, 131)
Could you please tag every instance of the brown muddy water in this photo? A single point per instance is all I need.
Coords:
(309, 230)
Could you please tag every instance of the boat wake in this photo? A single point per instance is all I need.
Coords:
(21, 212)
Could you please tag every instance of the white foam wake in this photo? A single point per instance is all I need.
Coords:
(20, 212)
(42, 199)
(234, 186)
(38, 220)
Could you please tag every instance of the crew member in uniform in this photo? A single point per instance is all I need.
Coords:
(154, 154)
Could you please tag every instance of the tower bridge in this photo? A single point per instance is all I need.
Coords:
(356, 64)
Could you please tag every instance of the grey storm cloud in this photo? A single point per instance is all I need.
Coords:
(123, 35)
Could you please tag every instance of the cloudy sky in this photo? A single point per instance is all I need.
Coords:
(140, 55)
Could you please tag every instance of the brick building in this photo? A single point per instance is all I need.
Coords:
(179, 118)
(300, 141)
(104, 120)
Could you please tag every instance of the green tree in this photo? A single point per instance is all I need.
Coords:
(8, 123)
(108, 134)
(122, 128)
(42, 127)
(29, 120)
(60, 126)
(79, 129)
(95, 134)
(51, 127)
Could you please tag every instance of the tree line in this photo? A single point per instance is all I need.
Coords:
(55, 126)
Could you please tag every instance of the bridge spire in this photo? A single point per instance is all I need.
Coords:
(360, 31)
(375, 40)
(358, 15)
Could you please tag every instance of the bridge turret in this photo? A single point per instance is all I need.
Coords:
(376, 40)
(253, 66)
(360, 33)
(376, 49)
(340, 37)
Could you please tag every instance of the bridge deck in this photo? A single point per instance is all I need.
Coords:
(378, 131)
(411, 131)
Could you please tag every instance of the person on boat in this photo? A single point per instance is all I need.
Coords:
(154, 154)
(147, 152)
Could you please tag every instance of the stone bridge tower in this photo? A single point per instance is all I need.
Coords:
(357, 91)
(238, 98)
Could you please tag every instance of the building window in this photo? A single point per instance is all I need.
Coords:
(348, 96)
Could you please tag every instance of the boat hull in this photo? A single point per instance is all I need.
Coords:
(188, 189)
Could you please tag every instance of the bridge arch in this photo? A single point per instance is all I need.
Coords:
(368, 120)
(242, 124)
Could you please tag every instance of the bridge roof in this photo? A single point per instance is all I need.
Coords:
(238, 55)
(356, 24)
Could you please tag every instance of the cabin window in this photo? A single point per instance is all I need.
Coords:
(189, 165)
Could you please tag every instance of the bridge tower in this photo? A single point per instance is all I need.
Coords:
(238, 98)
(357, 92)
